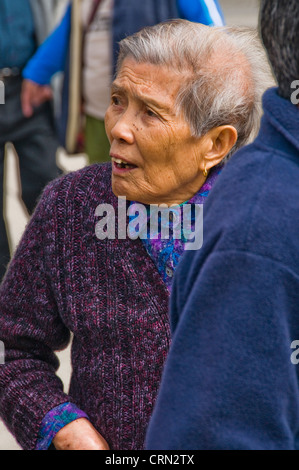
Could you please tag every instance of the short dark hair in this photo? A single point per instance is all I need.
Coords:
(279, 29)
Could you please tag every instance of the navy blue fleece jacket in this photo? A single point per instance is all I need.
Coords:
(230, 381)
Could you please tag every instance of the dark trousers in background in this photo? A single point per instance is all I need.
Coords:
(36, 144)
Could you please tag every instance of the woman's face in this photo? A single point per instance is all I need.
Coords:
(154, 157)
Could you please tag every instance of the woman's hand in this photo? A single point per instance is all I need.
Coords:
(79, 435)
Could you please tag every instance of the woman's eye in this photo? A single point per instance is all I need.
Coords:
(115, 100)
(151, 113)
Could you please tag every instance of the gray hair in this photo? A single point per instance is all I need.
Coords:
(279, 26)
(224, 72)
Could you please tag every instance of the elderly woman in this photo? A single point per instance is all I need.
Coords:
(184, 96)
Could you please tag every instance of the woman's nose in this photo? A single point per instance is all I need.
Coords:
(123, 128)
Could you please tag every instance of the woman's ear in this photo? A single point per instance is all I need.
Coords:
(221, 140)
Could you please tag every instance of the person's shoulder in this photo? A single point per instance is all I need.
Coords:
(96, 177)
(255, 174)
(254, 207)
(240, 182)
(83, 187)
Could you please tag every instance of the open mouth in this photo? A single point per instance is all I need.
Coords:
(121, 164)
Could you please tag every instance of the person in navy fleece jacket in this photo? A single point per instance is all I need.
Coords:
(231, 377)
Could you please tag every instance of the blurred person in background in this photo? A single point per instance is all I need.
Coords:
(85, 47)
(24, 25)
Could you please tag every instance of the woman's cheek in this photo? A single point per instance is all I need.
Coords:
(110, 120)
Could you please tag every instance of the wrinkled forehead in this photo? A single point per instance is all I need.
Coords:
(165, 78)
(158, 85)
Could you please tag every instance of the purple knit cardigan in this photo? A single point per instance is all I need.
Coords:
(109, 294)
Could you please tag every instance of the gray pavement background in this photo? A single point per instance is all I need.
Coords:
(236, 12)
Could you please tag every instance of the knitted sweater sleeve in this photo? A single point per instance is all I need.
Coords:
(31, 328)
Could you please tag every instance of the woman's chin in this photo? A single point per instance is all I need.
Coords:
(120, 190)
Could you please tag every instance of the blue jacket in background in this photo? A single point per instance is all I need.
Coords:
(201, 11)
(128, 17)
(231, 377)
(17, 33)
